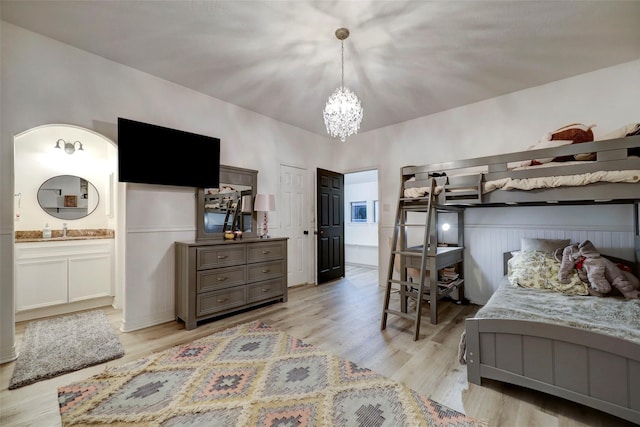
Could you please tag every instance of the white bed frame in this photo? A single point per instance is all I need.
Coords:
(590, 368)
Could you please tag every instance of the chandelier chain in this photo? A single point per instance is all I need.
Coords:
(342, 58)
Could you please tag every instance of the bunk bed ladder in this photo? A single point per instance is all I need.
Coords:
(400, 252)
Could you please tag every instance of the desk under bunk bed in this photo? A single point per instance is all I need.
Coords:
(552, 357)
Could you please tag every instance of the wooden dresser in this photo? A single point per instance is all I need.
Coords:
(214, 278)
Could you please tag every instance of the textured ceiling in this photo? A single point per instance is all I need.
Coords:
(404, 59)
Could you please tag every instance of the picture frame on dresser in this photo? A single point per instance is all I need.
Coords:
(225, 208)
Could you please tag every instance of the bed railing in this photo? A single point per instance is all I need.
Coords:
(463, 180)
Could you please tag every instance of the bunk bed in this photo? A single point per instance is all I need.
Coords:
(587, 365)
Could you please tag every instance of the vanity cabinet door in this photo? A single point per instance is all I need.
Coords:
(89, 277)
(40, 283)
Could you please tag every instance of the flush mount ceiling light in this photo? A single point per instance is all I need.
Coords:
(69, 147)
(343, 112)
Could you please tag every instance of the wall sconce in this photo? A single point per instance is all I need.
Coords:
(265, 203)
(69, 147)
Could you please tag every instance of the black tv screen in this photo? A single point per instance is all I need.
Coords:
(151, 154)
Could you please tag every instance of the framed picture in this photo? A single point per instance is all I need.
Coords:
(70, 201)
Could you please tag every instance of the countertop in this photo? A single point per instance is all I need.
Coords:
(24, 236)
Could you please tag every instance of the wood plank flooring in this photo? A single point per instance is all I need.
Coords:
(342, 317)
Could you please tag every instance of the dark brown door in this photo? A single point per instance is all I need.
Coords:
(330, 214)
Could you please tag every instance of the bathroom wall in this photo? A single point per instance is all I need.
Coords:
(36, 160)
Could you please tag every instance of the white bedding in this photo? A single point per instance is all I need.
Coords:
(624, 176)
(608, 315)
(628, 176)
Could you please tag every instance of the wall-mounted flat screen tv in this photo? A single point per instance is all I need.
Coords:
(152, 154)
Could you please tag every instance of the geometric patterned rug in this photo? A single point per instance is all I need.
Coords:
(248, 375)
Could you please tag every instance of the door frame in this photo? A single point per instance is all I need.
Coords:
(380, 206)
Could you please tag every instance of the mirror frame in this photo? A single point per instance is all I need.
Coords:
(47, 209)
(228, 175)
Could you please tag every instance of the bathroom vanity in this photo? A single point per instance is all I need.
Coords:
(60, 275)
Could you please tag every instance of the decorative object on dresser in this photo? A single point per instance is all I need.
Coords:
(249, 375)
(265, 203)
(59, 345)
(214, 278)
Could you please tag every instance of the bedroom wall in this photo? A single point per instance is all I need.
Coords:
(513, 122)
(44, 81)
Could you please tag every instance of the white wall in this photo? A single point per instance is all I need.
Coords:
(607, 98)
(39, 161)
(44, 81)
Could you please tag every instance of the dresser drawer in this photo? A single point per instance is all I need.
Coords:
(266, 251)
(221, 278)
(265, 290)
(265, 270)
(213, 302)
(220, 256)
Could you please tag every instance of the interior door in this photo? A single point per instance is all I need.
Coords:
(294, 223)
(330, 219)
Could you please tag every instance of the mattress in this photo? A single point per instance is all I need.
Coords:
(614, 316)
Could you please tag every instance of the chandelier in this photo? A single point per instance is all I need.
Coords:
(343, 112)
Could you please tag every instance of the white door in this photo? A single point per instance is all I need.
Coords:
(294, 223)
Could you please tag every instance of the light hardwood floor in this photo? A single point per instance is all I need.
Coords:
(342, 317)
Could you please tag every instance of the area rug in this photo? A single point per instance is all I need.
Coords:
(56, 346)
(248, 375)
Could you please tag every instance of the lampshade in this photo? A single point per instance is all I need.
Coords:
(265, 203)
(246, 204)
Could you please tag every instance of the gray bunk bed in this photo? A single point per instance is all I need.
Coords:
(579, 362)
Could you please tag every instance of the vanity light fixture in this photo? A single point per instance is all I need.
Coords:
(69, 147)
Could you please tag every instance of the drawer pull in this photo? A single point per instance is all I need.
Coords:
(266, 270)
(266, 252)
(222, 279)
(265, 289)
(223, 299)
(223, 256)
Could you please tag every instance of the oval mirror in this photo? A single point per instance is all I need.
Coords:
(68, 197)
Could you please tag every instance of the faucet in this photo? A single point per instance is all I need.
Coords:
(64, 229)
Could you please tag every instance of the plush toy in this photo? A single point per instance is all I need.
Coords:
(577, 133)
(599, 272)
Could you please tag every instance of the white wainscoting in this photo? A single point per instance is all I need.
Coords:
(361, 255)
(484, 246)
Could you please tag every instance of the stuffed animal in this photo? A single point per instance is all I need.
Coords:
(577, 133)
(601, 273)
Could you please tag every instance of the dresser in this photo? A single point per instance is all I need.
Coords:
(219, 277)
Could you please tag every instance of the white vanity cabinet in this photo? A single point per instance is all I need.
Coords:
(61, 272)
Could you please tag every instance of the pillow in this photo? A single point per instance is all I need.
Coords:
(628, 130)
(542, 245)
(539, 270)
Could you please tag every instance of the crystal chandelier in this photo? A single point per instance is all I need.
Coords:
(343, 112)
